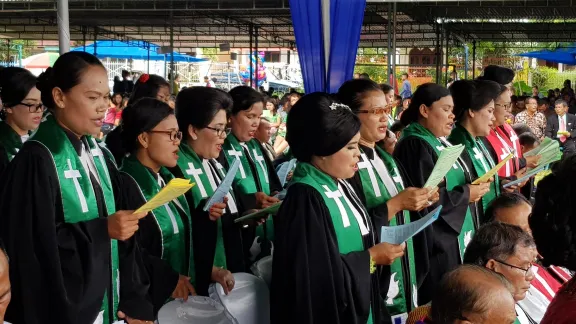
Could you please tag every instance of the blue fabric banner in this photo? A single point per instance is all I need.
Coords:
(307, 23)
(346, 18)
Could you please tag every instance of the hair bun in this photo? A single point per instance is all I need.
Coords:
(44, 82)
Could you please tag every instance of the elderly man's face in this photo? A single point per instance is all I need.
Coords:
(517, 269)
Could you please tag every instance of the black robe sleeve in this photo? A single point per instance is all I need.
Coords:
(114, 144)
(58, 271)
(436, 248)
(313, 282)
(162, 278)
(3, 158)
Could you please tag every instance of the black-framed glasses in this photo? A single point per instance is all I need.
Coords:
(526, 271)
(174, 134)
(34, 108)
(220, 131)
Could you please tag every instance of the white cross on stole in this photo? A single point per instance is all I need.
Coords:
(238, 154)
(513, 139)
(480, 157)
(260, 160)
(195, 173)
(441, 148)
(336, 195)
(504, 154)
(365, 164)
(397, 178)
(75, 175)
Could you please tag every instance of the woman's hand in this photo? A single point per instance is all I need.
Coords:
(532, 161)
(183, 289)
(386, 253)
(414, 199)
(130, 320)
(218, 209)
(265, 201)
(224, 278)
(477, 191)
(123, 224)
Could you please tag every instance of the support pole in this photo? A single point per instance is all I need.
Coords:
(148, 70)
(394, 49)
(326, 31)
(474, 60)
(447, 57)
(171, 47)
(438, 56)
(256, 55)
(95, 41)
(20, 49)
(466, 50)
(63, 27)
(84, 37)
(251, 32)
(389, 53)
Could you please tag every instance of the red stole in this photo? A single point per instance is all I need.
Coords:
(513, 137)
(562, 274)
(502, 146)
(545, 282)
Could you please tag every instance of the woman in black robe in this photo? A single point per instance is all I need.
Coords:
(62, 235)
(438, 248)
(326, 265)
(21, 111)
(147, 86)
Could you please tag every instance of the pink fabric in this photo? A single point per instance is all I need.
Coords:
(111, 115)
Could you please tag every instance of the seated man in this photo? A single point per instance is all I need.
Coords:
(471, 294)
(510, 251)
(514, 209)
(4, 283)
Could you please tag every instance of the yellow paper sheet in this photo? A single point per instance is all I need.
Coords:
(174, 189)
(486, 177)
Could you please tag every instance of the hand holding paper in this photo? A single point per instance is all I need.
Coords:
(284, 171)
(262, 213)
(400, 234)
(446, 160)
(174, 189)
(224, 187)
(488, 175)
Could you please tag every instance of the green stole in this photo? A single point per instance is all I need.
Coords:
(78, 197)
(245, 181)
(192, 168)
(481, 160)
(11, 141)
(348, 223)
(455, 177)
(376, 194)
(172, 228)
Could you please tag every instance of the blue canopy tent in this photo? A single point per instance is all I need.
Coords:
(560, 55)
(136, 51)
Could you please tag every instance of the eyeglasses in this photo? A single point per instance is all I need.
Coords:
(174, 134)
(526, 271)
(505, 106)
(377, 111)
(220, 131)
(34, 108)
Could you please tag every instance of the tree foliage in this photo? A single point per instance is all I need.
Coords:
(15, 44)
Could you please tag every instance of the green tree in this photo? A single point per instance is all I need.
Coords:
(211, 53)
(15, 44)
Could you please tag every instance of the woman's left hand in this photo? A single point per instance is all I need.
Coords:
(224, 278)
(131, 320)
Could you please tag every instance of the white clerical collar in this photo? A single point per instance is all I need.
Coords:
(24, 138)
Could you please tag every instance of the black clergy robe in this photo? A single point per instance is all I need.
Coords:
(3, 158)
(247, 202)
(436, 247)
(163, 278)
(306, 256)
(58, 269)
(205, 233)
